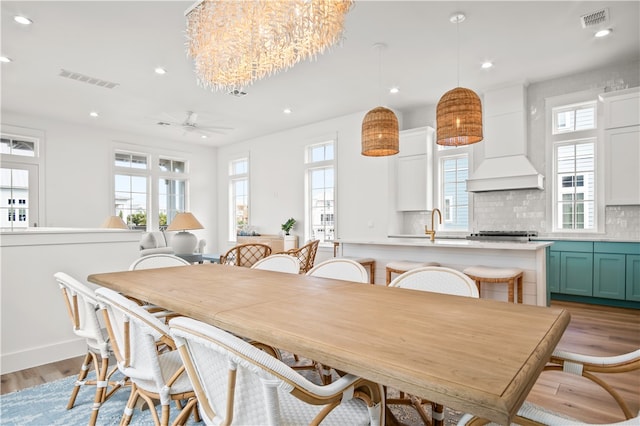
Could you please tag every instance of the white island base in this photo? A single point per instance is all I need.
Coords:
(460, 253)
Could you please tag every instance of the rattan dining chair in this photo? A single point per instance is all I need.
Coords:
(81, 303)
(245, 254)
(237, 383)
(436, 279)
(581, 365)
(278, 263)
(306, 254)
(154, 375)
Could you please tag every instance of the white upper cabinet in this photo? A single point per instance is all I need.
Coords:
(414, 181)
(622, 146)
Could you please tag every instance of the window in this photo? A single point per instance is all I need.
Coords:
(20, 178)
(149, 189)
(130, 183)
(320, 196)
(575, 163)
(238, 197)
(573, 141)
(572, 118)
(172, 189)
(453, 198)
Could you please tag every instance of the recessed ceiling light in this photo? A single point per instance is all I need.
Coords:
(5, 59)
(160, 71)
(22, 20)
(603, 33)
(487, 64)
(203, 136)
(94, 114)
(287, 111)
(394, 90)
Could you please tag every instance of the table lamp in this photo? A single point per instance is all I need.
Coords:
(114, 222)
(184, 242)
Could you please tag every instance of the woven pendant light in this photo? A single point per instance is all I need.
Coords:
(459, 118)
(459, 111)
(380, 133)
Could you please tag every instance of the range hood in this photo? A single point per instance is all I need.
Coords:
(505, 165)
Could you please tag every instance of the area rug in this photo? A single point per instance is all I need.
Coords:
(45, 405)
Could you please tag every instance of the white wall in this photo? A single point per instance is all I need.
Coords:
(34, 325)
(277, 180)
(79, 174)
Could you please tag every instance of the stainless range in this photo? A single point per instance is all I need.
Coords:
(514, 236)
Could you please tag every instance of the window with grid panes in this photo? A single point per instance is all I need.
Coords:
(320, 196)
(574, 137)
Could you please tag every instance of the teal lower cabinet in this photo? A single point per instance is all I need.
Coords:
(553, 272)
(595, 272)
(609, 276)
(633, 277)
(576, 273)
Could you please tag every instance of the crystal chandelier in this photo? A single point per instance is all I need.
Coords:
(234, 43)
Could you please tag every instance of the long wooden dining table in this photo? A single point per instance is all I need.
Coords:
(472, 355)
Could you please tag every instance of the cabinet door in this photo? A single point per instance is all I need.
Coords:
(609, 276)
(622, 174)
(553, 272)
(576, 273)
(411, 189)
(633, 277)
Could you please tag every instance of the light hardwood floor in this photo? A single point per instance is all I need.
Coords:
(593, 330)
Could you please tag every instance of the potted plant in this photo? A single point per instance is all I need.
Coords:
(288, 225)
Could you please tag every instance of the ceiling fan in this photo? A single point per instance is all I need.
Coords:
(189, 125)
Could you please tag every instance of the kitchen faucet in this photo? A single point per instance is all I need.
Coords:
(432, 232)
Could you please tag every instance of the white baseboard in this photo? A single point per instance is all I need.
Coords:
(33, 357)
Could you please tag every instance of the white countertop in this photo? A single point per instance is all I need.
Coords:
(452, 243)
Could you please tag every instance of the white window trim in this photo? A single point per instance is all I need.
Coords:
(308, 165)
(231, 222)
(153, 174)
(439, 155)
(550, 170)
(19, 161)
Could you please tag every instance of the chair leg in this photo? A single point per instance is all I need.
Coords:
(437, 414)
(511, 284)
(520, 280)
(131, 403)
(101, 388)
(84, 370)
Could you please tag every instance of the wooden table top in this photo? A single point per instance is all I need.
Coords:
(477, 356)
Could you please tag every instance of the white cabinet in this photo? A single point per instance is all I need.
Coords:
(414, 181)
(622, 147)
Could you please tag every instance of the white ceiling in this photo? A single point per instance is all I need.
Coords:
(123, 41)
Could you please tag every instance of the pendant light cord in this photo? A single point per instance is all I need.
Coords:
(380, 75)
(458, 48)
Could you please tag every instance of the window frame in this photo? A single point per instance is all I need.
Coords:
(555, 139)
(153, 174)
(441, 154)
(34, 164)
(232, 179)
(309, 167)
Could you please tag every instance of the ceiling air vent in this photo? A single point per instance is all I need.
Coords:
(86, 79)
(599, 17)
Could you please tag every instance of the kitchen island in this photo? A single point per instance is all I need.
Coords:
(530, 256)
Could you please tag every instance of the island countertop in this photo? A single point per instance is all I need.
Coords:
(452, 243)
